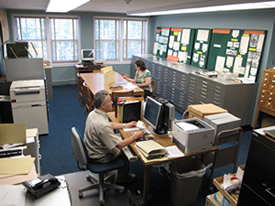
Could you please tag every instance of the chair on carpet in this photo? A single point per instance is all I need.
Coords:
(154, 83)
(81, 156)
(89, 105)
(82, 90)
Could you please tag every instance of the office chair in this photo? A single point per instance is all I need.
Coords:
(154, 83)
(81, 156)
(81, 88)
(89, 105)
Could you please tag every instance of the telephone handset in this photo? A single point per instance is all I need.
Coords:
(41, 185)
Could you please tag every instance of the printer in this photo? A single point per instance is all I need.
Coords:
(193, 135)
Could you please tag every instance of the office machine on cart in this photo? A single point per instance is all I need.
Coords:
(28, 101)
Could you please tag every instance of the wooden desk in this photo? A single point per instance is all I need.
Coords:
(95, 82)
(164, 141)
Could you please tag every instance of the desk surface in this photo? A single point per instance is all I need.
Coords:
(163, 140)
(95, 82)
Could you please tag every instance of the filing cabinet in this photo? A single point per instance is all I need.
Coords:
(258, 185)
(182, 86)
(266, 100)
(236, 97)
(172, 79)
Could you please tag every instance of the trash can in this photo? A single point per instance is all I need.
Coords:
(185, 180)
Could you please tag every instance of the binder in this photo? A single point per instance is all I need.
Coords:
(151, 149)
(129, 111)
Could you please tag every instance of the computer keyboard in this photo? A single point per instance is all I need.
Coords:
(145, 138)
(130, 156)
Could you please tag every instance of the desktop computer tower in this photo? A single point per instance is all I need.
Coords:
(168, 115)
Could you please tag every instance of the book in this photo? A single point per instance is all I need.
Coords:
(116, 87)
(151, 149)
(270, 133)
(128, 111)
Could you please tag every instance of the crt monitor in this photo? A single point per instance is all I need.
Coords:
(87, 55)
(159, 113)
(152, 113)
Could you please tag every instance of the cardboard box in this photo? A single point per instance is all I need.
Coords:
(201, 110)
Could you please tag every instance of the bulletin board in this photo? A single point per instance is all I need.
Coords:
(237, 51)
(174, 44)
(181, 44)
(161, 43)
(156, 43)
(201, 48)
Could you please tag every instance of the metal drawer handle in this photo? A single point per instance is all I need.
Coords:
(268, 190)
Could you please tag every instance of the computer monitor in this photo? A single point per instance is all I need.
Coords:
(159, 113)
(152, 114)
(87, 55)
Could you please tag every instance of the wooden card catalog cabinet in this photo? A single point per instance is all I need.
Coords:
(266, 102)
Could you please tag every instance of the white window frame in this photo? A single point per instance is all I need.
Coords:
(48, 33)
(121, 61)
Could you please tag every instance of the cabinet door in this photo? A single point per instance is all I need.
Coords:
(260, 169)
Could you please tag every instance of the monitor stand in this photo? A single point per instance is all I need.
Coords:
(157, 133)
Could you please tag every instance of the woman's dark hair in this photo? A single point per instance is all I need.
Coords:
(141, 65)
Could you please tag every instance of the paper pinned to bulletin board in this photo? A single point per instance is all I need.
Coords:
(237, 51)
(201, 48)
(162, 39)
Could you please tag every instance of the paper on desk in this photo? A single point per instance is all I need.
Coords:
(15, 166)
(130, 129)
(9, 192)
(187, 126)
(12, 133)
(17, 179)
(129, 86)
(173, 151)
(31, 132)
(152, 160)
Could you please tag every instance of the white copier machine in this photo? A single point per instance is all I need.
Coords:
(28, 102)
(193, 135)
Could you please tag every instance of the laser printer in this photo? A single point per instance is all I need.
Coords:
(193, 135)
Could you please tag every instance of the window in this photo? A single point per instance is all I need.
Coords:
(55, 38)
(119, 39)
(32, 29)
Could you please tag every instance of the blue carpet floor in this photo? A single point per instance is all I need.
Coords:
(56, 149)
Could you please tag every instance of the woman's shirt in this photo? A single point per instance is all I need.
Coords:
(141, 79)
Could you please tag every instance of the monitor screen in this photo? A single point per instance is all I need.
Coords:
(87, 54)
(152, 112)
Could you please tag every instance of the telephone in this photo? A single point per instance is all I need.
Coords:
(41, 185)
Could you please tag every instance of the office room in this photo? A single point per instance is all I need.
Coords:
(201, 72)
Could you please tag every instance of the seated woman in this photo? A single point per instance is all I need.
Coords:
(142, 78)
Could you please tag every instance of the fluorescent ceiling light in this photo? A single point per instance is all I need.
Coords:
(230, 7)
(64, 5)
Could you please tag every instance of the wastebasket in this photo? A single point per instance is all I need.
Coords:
(185, 180)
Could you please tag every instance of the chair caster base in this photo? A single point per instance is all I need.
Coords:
(80, 195)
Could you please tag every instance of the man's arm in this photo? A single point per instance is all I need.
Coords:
(116, 125)
(131, 139)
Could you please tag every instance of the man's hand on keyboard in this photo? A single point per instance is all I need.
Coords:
(131, 124)
(139, 134)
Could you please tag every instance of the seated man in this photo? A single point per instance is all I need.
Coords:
(102, 143)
